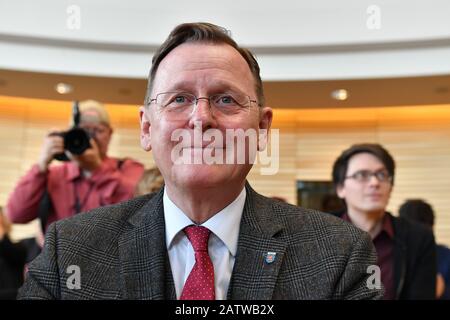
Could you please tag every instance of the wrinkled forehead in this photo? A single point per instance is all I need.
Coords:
(196, 64)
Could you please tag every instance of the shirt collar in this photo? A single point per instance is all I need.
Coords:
(224, 224)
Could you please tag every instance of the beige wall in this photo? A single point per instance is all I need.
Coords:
(417, 137)
(310, 140)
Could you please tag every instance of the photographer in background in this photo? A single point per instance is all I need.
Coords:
(89, 180)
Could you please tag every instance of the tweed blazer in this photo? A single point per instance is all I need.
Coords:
(120, 253)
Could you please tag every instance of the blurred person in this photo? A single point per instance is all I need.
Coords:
(363, 176)
(151, 181)
(422, 212)
(206, 234)
(13, 258)
(89, 180)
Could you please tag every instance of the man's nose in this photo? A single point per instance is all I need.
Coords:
(204, 113)
(373, 180)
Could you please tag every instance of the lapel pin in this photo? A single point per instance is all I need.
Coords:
(270, 257)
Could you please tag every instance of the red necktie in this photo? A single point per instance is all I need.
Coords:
(200, 282)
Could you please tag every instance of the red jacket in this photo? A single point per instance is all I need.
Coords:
(107, 185)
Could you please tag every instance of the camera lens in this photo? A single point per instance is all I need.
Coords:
(76, 141)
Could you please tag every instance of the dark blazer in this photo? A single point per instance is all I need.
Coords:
(121, 253)
(414, 260)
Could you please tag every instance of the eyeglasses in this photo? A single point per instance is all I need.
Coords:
(364, 176)
(181, 105)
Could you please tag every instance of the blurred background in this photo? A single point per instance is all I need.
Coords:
(335, 72)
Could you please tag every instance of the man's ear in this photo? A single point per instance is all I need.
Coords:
(265, 122)
(340, 191)
(145, 129)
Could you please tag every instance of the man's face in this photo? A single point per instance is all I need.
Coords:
(101, 133)
(202, 70)
(365, 196)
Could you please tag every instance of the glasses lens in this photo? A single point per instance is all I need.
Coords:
(362, 175)
(365, 176)
(230, 104)
(382, 176)
(175, 105)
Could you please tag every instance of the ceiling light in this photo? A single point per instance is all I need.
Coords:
(340, 94)
(63, 88)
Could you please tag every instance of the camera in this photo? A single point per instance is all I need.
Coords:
(76, 140)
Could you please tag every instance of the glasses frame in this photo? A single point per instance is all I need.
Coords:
(371, 174)
(250, 100)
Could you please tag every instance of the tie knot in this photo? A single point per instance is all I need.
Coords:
(198, 236)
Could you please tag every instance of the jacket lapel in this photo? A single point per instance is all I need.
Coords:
(144, 262)
(259, 255)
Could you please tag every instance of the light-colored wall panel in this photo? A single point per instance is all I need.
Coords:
(310, 141)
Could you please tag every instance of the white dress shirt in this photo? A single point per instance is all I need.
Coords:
(222, 245)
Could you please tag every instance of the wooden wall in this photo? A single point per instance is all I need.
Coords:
(310, 140)
(417, 137)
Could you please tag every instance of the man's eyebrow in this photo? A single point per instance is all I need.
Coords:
(374, 170)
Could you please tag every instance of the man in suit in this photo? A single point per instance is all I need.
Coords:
(364, 177)
(207, 234)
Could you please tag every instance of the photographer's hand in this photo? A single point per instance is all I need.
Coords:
(53, 144)
(90, 160)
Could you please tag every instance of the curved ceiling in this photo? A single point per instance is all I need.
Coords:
(384, 52)
(294, 40)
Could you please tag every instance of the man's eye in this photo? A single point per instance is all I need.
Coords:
(358, 175)
(180, 99)
(382, 175)
(362, 175)
(226, 99)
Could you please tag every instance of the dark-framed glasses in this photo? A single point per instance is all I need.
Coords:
(364, 176)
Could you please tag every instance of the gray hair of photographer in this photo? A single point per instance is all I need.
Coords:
(151, 181)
